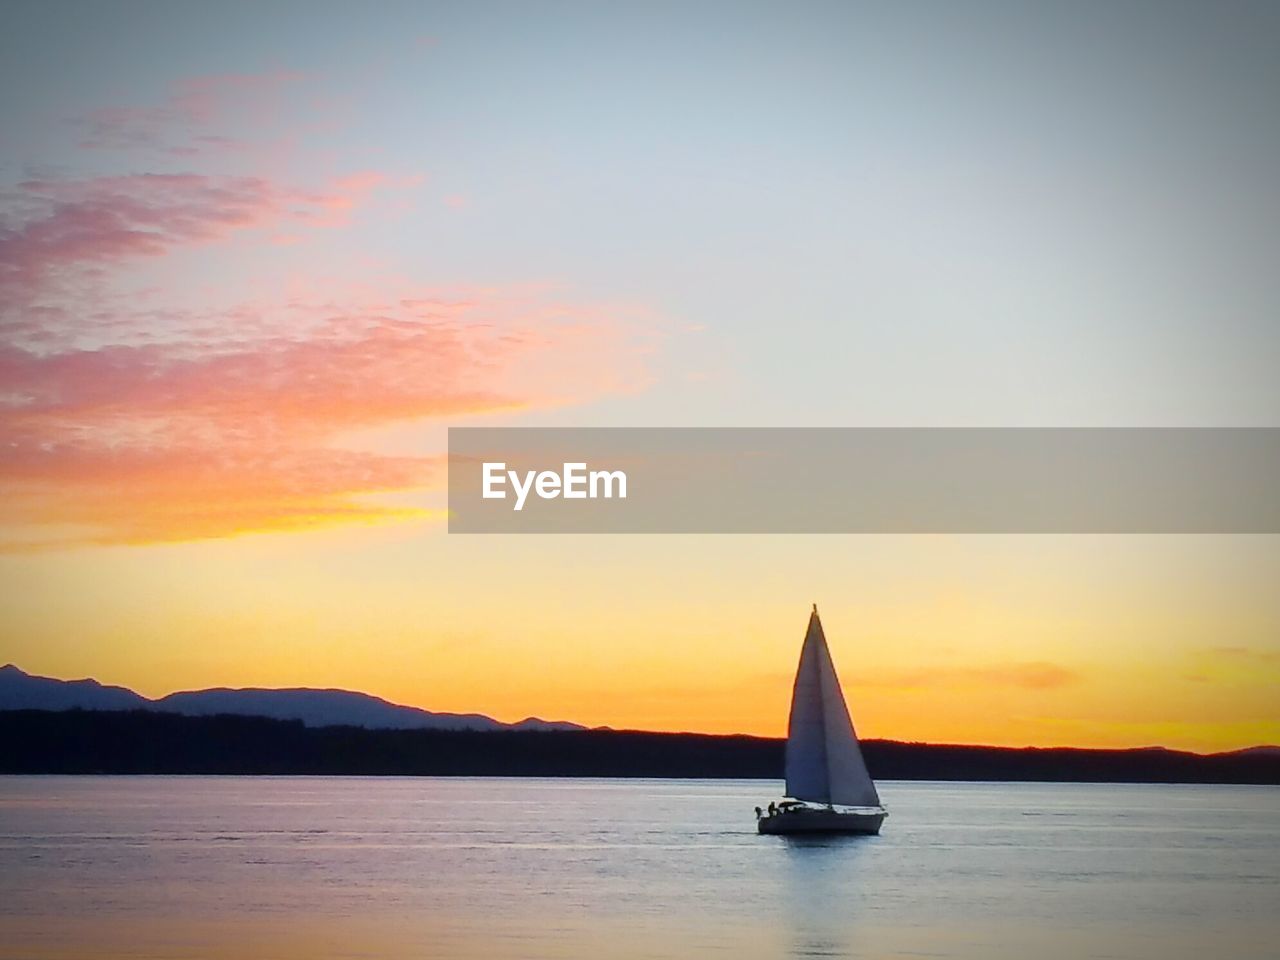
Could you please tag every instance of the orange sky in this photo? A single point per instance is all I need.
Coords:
(1073, 640)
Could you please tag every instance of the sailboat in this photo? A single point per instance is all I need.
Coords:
(828, 787)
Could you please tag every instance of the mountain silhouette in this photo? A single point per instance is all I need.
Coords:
(22, 691)
(314, 707)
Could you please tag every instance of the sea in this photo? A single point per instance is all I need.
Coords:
(168, 868)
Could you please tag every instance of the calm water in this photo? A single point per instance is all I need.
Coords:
(173, 868)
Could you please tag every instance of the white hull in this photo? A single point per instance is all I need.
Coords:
(822, 820)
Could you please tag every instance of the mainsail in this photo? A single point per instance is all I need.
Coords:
(824, 763)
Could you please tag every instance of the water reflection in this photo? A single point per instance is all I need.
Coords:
(821, 894)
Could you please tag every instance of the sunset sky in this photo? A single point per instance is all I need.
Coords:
(255, 261)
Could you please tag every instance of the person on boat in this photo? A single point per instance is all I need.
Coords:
(759, 813)
(773, 809)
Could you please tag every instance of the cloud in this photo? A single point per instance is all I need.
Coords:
(136, 407)
(140, 494)
(55, 227)
(1244, 653)
(1032, 675)
(184, 122)
(198, 437)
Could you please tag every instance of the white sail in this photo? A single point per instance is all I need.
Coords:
(824, 762)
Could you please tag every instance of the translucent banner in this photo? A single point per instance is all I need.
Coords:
(818, 480)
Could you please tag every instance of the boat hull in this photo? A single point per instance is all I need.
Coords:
(822, 821)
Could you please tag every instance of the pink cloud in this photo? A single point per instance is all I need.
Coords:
(132, 416)
(56, 225)
(211, 435)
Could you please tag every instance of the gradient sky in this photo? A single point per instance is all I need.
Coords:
(254, 259)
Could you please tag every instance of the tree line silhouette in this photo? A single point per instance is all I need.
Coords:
(148, 742)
